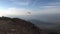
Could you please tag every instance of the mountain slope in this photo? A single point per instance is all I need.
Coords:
(17, 26)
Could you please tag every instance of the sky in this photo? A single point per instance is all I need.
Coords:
(27, 7)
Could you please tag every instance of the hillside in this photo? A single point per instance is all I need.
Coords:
(17, 26)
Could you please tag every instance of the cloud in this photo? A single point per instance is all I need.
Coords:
(20, 2)
(48, 10)
(18, 11)
(52, 9)
(54, 3)
(14, 11)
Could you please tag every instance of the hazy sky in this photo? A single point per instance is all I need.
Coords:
(22, 7)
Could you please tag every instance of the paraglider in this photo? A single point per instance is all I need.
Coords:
(28, 13)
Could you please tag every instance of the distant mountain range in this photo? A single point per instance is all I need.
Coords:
(40, 22)
(52, 18)
(44, 24)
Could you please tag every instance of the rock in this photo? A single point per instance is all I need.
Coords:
(17, 26)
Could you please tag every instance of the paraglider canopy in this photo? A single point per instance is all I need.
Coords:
(28, 13)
